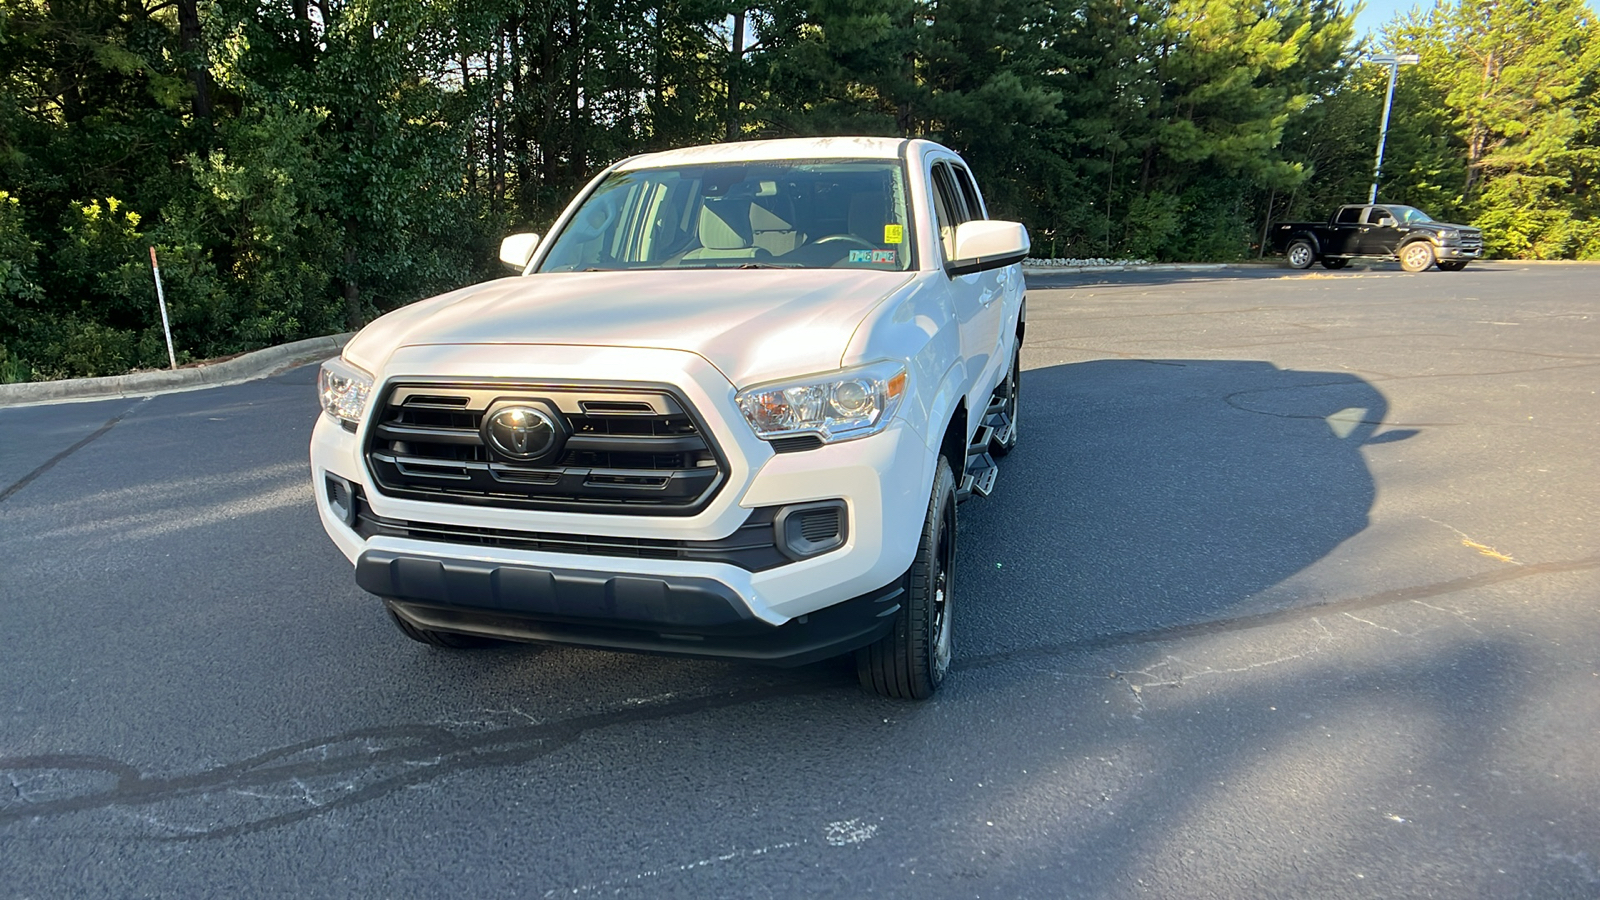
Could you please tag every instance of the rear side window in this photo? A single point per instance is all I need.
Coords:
(1350, 215)
(948, 206)
(969, 193)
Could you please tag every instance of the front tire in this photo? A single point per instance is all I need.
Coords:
(1416, 256)
(910, 662)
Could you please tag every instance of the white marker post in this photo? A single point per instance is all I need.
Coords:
(161, 299)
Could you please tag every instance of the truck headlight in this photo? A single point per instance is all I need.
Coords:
(1449, 234)
(344, 390)
(836, 406)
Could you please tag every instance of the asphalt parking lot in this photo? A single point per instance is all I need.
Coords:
(1292, 587)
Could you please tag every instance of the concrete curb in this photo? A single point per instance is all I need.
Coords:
(1147, 267)
(246, 367)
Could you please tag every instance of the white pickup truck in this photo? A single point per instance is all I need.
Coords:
(726, 410)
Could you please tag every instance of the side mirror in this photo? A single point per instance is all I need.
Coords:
(517, 249)
(1385, 221)
(987, 244)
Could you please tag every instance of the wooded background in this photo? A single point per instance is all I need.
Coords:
(303, 165)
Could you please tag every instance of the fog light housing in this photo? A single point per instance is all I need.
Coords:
(805, 530)
(341, 498)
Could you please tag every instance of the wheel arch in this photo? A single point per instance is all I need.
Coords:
(1309, 237)
(953, 445)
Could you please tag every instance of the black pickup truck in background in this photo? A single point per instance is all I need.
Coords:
(1384, 231)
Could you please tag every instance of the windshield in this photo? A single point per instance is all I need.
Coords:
(1406, 215)
(802, 214)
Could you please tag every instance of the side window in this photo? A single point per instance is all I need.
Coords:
(947, 207)
(1377, 214)
(969, 192)
(1350, 215)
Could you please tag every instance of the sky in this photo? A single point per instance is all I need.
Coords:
(1379, 12)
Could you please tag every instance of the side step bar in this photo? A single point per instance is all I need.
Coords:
(981, 470)
(995, 417)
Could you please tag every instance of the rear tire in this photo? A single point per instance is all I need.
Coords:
(910, 662)
(448, 640)
(1332, 262)
(1010, 391)
(1452, 265)
(1416, 256)
(1301, 254)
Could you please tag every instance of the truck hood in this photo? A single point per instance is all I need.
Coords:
(752, 324)
(1437, 227)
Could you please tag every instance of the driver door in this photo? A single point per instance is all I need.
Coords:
(1381, 234)
(977, 295)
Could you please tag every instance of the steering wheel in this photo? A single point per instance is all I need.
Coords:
(836, 238)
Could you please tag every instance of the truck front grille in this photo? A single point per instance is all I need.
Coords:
(630, 450)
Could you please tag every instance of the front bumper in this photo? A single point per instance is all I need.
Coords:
(1450, 251)
(670, 605)
(679, 616)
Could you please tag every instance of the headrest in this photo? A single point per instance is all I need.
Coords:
(725, 223)
(764, 218)
(867, 214)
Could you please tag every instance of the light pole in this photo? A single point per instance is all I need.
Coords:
(1394, 62)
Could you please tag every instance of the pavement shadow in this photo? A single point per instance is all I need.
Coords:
(1150, 493)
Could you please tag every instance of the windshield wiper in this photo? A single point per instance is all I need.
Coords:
(762, 265)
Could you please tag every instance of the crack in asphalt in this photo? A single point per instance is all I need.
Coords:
(427, 754)
(394, 758)
(51, 463)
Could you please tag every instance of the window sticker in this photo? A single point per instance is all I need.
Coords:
(875, 257)
(893, 233)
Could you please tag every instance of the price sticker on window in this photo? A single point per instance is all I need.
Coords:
(893, 234)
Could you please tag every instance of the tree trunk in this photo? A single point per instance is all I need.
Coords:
(473, 160)
(1478, 136)
(190, 40)
(735, 73)
(302, 26)
(352, 292)
(1272, 194)
(578, 133)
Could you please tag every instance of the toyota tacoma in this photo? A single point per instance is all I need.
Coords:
(726, 410)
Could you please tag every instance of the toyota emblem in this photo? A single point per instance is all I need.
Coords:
(520, 432)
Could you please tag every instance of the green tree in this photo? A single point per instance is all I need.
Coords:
(1518, 81)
